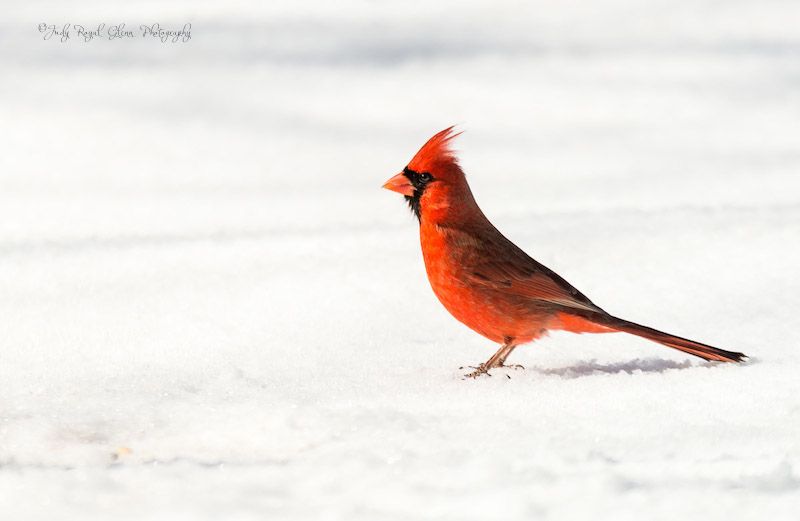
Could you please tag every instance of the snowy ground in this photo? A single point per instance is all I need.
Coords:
(211, 310)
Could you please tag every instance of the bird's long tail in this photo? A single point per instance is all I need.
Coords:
(596, 322)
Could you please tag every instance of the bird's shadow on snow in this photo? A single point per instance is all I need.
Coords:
(592, 367)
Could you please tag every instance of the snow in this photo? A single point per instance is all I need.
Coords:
(211, 309)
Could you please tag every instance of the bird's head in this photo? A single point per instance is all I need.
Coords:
(433, 182)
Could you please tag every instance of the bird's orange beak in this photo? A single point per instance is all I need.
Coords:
(400, 184)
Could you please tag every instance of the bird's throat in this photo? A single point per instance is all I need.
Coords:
(414, 203)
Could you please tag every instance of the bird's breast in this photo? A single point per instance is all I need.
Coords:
(450, 257)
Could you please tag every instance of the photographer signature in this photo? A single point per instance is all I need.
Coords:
(64, 32)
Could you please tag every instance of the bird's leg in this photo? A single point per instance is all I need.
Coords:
(496, 360)
(502, 361)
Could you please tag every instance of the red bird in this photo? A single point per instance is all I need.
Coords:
(487, 282)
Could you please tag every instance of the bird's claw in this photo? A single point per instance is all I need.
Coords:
(484, 369)
(481, 369)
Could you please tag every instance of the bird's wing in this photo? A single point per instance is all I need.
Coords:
(499, 265)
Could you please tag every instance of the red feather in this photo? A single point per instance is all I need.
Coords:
(436, 152)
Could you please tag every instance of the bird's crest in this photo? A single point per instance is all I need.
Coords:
(436, 151)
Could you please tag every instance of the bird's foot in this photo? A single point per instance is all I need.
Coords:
(480, 370)
(483, 369)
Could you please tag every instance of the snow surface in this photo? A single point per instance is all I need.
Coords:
(212, 311)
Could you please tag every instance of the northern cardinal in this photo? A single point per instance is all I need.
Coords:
(487, 282)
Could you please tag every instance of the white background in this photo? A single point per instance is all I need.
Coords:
(210, 310)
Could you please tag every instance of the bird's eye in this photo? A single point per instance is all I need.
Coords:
(425, 177)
